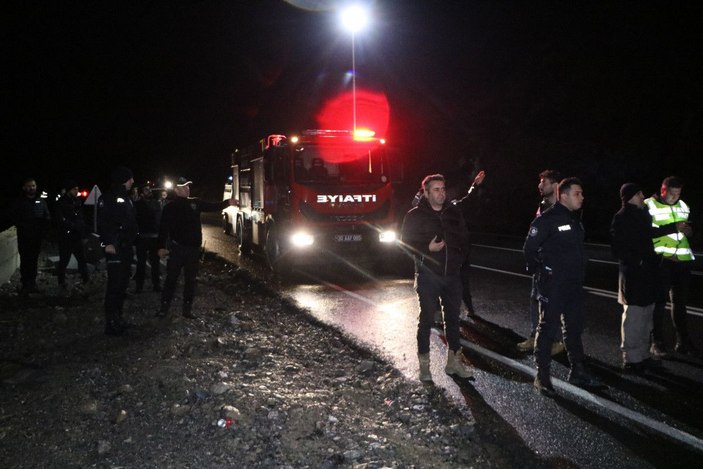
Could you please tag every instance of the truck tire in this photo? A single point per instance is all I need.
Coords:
(275, 256)
(226, 225)
(243, 243)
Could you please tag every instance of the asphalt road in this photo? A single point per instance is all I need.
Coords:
(639, 421)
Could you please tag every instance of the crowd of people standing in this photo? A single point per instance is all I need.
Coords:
(650, 240)
(129, 219)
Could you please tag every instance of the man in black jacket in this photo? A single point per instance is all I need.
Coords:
(548, 182)
(30, 214)
(462, 203)
(71, 228)
(632, 234)
(180, 237)
(117, 227)
(554, 250)
(437, 237)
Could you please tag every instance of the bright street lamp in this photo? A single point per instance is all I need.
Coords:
(354, 18)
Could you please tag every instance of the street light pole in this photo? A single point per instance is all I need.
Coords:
(354, 18)
(353, 83)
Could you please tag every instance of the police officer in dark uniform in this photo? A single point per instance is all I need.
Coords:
(117, 227)
(30, 214)
(72, 231)
(554, 250)
(180, 237)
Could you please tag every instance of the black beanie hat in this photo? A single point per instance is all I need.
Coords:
(628, 190)
(69, 184)
(121, 175)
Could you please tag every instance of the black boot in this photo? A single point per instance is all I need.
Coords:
(543, 382)
(188, 310)
(582, 378)
(684, 345)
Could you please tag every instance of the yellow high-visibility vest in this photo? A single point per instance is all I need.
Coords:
(674, 244)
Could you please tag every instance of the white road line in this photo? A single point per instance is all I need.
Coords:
(692, 310)
(597, 261)
(643, 420)
(498, 248)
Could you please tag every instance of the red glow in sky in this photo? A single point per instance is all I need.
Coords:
(372, 112)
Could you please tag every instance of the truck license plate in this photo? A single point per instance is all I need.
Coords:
(347, 238)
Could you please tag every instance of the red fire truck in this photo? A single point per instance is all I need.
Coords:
(319, 196)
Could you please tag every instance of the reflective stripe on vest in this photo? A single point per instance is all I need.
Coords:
(674, 244)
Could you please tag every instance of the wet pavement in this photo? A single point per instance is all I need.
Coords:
(569, 430)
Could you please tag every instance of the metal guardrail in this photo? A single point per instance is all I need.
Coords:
(597, 252)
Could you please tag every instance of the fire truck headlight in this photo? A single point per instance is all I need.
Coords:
(301, 239)
(387, 236)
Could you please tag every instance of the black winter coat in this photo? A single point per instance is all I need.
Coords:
(422, 224)
(69, 218)
(30, 216)
(180, 221)
(554, 246)
(148, 216)
(631, 231)
(117, 220)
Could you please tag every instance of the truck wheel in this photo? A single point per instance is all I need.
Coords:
(226, 225)
(243, 243)
(274, 253)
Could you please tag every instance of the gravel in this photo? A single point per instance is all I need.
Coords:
(288, 391)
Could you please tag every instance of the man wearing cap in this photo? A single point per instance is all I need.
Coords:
(71, 229)
(180, 237)
(632, 233)
(676, 262)
(30, 214)
(117, 227)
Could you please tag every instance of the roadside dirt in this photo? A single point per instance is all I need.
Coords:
(294, 392)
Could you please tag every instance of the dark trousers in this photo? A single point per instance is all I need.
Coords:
(68, 246)
(184, 258)
(147, 248)
(534, 307)
(562, 307)
(466, 285)
(119, 268)
(28, 248)
(674, 281)
(429, 288)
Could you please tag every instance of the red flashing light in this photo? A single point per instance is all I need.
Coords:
(372, 112)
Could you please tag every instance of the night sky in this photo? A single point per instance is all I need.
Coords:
(607, 91)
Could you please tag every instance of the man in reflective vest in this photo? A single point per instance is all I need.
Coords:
(675, 270)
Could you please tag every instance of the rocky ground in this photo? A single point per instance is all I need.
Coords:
(294, 392)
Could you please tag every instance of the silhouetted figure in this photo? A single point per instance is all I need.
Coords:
(30, 214)
(71, 233)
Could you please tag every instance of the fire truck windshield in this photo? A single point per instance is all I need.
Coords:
(339, 164)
